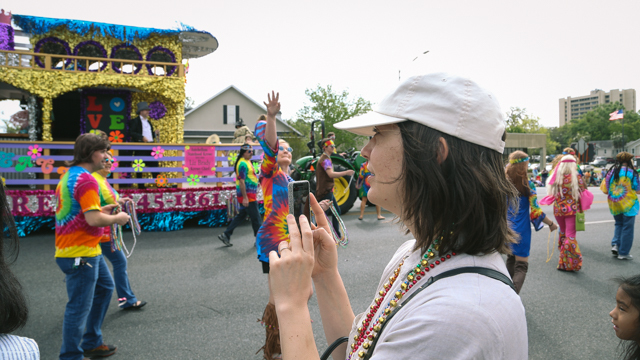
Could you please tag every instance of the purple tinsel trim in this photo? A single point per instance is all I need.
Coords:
(93, 43)
(125, 46)
(126, 95)
(157, 110)
(171, 69)
(52, 39)
(6, 37)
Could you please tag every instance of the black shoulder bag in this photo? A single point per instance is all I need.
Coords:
(463, 270)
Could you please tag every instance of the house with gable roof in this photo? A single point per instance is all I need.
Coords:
(219, 114)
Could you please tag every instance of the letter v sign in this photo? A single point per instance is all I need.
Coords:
(94, 122)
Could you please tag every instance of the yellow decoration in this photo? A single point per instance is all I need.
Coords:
(393, 303)
(376, 328)
(361, 354)
(398, 295)
(387, 311)
(410, 277)
(365, 345)
(403, 286)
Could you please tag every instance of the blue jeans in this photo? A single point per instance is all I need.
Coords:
(623, 234)
(120, 276)
(254, 214)
(89, 289)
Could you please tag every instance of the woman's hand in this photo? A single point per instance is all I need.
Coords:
(273, 105)
(325, 250)
(325, 205)
(290, 274)
(553, 227)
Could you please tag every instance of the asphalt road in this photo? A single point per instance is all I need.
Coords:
(204, 299)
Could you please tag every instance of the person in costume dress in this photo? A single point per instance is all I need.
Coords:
(564, 186)
(274, 180)
(363, 183)
(438, 167)
(621, 187)
(520, 216)
(108, 195)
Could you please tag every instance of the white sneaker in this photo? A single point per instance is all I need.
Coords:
(625, 257)
(614, 250)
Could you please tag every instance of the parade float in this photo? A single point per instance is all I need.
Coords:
(74, 77)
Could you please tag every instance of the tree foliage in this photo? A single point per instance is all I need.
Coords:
(518, 121)
(332, 107)
(595, 125)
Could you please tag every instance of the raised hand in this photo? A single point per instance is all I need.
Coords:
(273, 105)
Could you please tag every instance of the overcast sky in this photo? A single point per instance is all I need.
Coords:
(529, 54)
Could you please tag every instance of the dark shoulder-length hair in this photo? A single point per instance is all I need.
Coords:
(517, 172)
(463, 200)
(85, 146)
(240, 155)
(630, 349)
(13, 304)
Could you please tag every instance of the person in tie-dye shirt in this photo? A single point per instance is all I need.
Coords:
(246, 192)
(621, 186)
(108, 195)
(79, 223)
(274, 180)
(527, 211)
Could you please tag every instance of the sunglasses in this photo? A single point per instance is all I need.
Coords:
(289, 149)
(110, 160)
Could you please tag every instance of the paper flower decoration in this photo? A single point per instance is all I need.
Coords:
(62, 170)
(157, 152)
(193, 179)
(138, 165)
(232, 157)
(256, 167)
(161, 180)
(157, 110)
(34, 151)
(114, 164)
(94, 132)
(116, 136)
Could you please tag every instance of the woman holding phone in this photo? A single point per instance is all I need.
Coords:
(274, 179)
(436, 163)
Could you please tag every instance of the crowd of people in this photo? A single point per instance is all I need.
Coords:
(435, 165)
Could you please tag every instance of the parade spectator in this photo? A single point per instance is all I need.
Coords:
(241, 132)
(325, 180)
(625, 317)
(564, 187)
(437, 166)
(79, 227)
(587, 178)
(543, 176)
(13, 307)
(364, 185)
(621, 187)
(108, 196)
(274, 180)
(527, 211)
(246, 192)
(142, 131)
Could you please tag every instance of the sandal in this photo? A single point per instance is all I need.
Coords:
(135, 306)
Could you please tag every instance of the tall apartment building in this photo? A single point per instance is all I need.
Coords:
(574, 107)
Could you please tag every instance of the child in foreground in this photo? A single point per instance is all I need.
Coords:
(626, 317)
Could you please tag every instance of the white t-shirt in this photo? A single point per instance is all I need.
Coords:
(146, 129)
(467, 316)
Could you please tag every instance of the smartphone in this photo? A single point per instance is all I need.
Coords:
(299, 199)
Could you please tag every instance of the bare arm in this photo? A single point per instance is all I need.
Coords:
(336, 174)
(100, 219)
(243, 190)
(335, 310)
(273, 107)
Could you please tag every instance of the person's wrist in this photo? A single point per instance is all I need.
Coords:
(326, 276)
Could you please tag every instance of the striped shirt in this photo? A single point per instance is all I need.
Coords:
(18, 348)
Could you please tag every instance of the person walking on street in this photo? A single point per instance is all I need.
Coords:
(108, 196)
(325, 176)
(565, 186)
(364, 185)
(621, 187)
(246, 192)
(80, 220)
(527, 211)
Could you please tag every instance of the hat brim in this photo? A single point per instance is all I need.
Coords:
(364, 124)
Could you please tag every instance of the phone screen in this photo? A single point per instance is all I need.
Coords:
(300, 199)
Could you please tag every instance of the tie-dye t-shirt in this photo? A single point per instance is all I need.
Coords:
(245, 171)
(77, 193)
(108, 196)
(275, 191)
(621, 194)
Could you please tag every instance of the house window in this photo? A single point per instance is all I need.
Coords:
(605, 151)
(230, 114)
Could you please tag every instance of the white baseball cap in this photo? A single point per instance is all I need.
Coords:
(451, 104)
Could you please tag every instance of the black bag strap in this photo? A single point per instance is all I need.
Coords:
(333, 346)
(463, 270)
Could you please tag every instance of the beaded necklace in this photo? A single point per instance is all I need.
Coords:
(370, 326)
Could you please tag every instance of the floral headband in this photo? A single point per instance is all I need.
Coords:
(515, 161)
(246, 147)
(329, 143)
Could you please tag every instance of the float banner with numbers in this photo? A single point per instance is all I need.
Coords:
(43, 202)
(200, 160)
